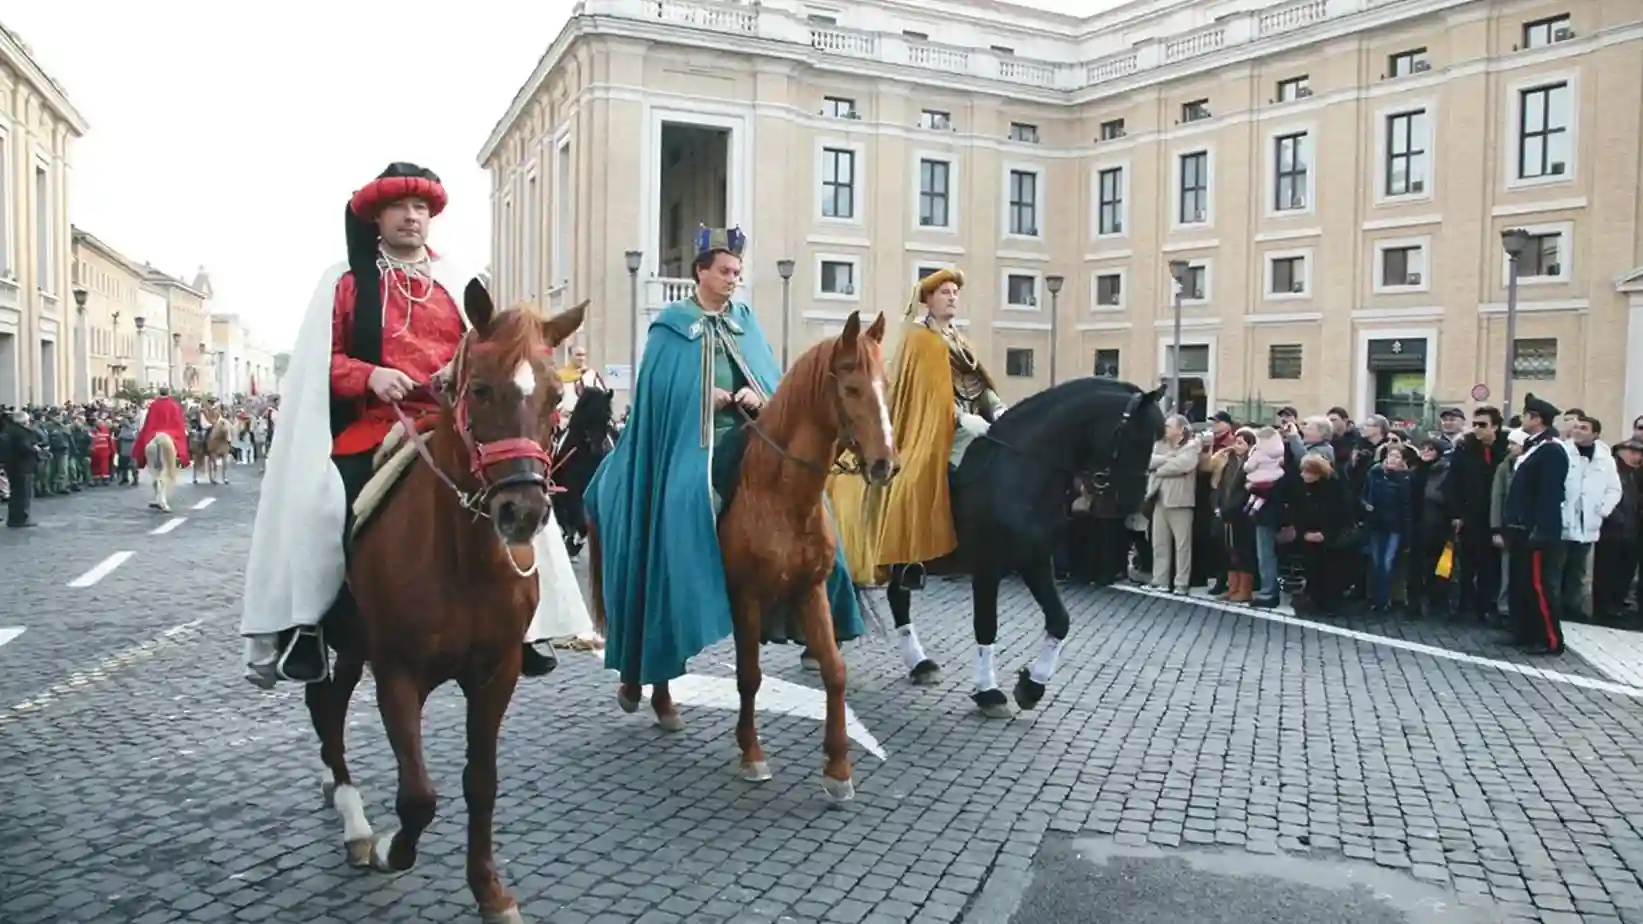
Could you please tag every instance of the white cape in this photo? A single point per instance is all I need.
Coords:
(297, 566)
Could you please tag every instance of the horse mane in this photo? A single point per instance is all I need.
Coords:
(805, 384)
(515, 335)
(1052, 401)
(582, 416)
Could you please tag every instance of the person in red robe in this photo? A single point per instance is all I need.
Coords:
(102, 454)
(393, 327)
(165, 415)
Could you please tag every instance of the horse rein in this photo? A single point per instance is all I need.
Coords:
(847, 441)
(1096, 481)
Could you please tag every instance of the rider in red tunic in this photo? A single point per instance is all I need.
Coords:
(393, 327)
(164, 415)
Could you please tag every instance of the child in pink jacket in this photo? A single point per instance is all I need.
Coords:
(1263, 468)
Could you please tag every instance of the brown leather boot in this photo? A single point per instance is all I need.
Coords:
(1243, 587)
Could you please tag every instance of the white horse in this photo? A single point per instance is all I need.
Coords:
(162, 470)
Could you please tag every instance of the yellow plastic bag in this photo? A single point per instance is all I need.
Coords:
(1446, 561)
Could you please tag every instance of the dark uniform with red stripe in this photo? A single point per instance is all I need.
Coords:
(1533, 521)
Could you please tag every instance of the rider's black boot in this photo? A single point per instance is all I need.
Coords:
(539, 659)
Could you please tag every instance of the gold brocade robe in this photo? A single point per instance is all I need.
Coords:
(912, 519)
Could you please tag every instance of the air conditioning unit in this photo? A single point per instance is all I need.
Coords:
(1198, 215)
(1117, 228)
(1417, 186)
(853, 114)
(1297, 287)
(1422, 67)
(1196, 293)
(1554, 269)
(1032, 301)
(1563, 34)
(1297, 201)
(1111, 298)
(1557, 168)
(1412, 279)
(1303, 92)
(848, 290)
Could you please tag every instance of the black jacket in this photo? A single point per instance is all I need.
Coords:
(19, 446)
(1471, 479)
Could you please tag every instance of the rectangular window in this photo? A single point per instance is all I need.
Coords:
(1024, 203)
(1195, 110)
(839, 107)
(838, 277)
(1024, 132)
(924, 271)
(936, 119)
(1021, 291)
(1288, 276)
(1106, 363)
(932, 193)
(1534, 359)
(43, 277)
(1194, 188)
(1289, 188)
(1294, 88)
(1109, 290)
(1112, 129)
(1194, 359)
(1408, 62)
(1406, 134)
(838, 183)
(1193, 287)
(1110, 201)
(1402, 266)
(5, 208)
(1543, 32)
(1543, 257)
(1283, 361)
(1543, 131)
(1018, 363)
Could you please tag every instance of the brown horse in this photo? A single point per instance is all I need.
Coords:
(443, 580)
(213, 451)
(776, 536)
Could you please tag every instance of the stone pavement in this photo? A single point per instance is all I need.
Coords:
(1190, 764)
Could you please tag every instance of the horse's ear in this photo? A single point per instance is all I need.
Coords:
(876, 332)
(557, 329)
(1157, 394)
(852, 330)
(476, 302)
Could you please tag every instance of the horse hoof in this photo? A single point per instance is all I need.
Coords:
(629, 706)
(926, 672)
(756, 771)
(380, 847)
(670, 722)
(1028, 692)
(992, 703)
(838, 791)
(508, 915)
(359, 853)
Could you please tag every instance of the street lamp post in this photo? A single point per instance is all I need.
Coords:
(635, 259)
(1515, 241)
(1178, 270)
(82, 343)
(1053, 283)
(141, 359)
(784, 268)
(176, 358)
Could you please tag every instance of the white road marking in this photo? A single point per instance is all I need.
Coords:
(79, 680)
(1589, 683)
(203, 503)
(1618, 653)
(776, 695)
(168, 526)
(8, 633)
(101, 570)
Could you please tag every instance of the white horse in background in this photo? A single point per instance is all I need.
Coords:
(162, 470)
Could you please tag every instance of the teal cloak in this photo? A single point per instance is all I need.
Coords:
(654, 499)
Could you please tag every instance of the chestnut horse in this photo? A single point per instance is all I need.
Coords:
(213, 451)
(443, 583)
(777, 538)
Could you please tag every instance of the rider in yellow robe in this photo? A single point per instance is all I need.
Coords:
(941, 398)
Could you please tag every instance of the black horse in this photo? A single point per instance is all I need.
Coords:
(588, 437)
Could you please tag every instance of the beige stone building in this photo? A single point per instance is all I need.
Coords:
(189, 323)
(40, 359)
(1334, 174)
(112, 282)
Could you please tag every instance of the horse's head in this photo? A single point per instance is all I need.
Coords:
(592, 416)
(856, 368)
(504, 399)
(1121, 448)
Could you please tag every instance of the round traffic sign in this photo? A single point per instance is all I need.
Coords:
(1480, 392)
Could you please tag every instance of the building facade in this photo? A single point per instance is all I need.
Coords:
(111, 282)
(38, 126)
(189, 331)
(1334, 177)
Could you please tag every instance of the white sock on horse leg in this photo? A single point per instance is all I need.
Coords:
(986, 675)
(1043, 669)
(911, 651)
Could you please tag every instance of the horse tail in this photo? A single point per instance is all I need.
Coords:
(162, 456)
(596, 579)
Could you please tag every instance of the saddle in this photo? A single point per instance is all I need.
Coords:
(391, 461)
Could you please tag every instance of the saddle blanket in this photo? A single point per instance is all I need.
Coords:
(392, 460)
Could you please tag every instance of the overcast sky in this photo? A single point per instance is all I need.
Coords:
(230, 135)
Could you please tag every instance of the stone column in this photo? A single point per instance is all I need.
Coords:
(1633, 395)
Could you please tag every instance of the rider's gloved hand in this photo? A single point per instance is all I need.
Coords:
(973, 424)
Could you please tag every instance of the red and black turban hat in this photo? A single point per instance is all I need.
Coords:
(399, 181)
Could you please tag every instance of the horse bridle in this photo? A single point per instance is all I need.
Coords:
(456, 388)
(1095, 481)
(849, 446)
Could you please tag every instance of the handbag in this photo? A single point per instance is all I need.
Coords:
(1446, 561)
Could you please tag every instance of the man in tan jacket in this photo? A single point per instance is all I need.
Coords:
(1171, 488)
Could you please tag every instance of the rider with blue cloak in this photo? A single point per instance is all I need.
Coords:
(707, 370)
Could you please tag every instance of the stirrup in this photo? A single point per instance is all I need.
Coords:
(318, 636)
(912, 576)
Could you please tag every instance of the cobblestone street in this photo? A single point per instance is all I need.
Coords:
(1192, 763)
